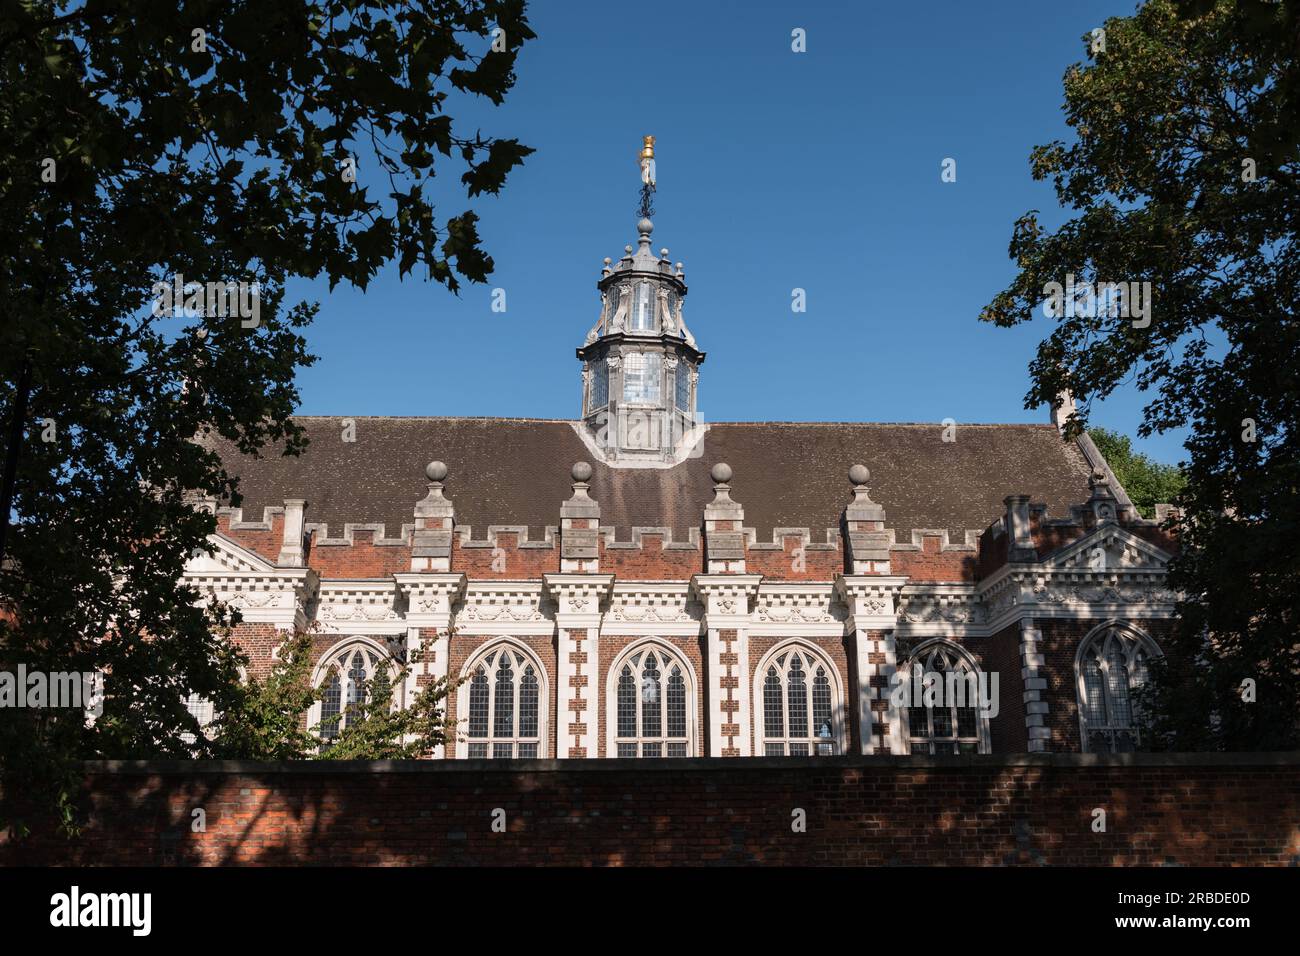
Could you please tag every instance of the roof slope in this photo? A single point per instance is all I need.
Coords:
(516, 471)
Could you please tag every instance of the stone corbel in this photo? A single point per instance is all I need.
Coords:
(579, 598)
(430, 598)
(727, 598)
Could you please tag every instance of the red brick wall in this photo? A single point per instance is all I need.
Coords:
(363, 559)
(258, 641)
(265, 543)
(933, 564)
(795, 562)
(1185, 809)
(1001, 653)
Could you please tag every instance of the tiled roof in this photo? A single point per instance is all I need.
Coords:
(516, 472)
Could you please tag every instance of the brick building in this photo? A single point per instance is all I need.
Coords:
(641, 583)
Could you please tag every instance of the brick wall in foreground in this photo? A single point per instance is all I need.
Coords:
(1027, 809)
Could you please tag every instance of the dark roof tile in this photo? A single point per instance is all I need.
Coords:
(516, 471)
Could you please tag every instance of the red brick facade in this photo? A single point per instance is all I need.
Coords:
(1017, 601)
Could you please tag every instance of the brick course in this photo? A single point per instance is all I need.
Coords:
(1161, 809)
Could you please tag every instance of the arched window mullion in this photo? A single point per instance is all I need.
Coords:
(1117, 658)
(787, 693)
(516, 724)
(650, 733)
(943, 667)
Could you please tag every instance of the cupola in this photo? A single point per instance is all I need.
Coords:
(640, 363)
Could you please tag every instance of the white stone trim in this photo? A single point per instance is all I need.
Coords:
(502, 608)
(797, 609)
(653, 608)
(1038, 735)
(360, 607)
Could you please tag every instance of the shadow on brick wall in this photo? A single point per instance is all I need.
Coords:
(876, 811)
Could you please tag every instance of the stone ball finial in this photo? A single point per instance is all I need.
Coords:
(608, 260)
(859, 474)
(645, 227)
(721, 472)
(581, 471)
(435, 471)
(627, 248)
(663, 253)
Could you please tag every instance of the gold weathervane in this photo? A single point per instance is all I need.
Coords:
(647, 158)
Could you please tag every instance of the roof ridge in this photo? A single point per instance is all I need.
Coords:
(1041, 426)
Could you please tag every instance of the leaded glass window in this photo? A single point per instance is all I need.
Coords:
(799, 706)
(346, 676)
(504, 704)
(201, 710)
(683, 387)
(599, 385)
(943, 712)
(643, 307)
(652, 702)
(641, 376)
(1112, 665)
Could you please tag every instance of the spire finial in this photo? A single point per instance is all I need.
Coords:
(647, 157)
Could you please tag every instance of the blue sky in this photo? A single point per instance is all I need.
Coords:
(776, 170)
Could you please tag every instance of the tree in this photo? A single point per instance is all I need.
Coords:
(377, 729)
(1185, 174)
(236, 145)
(268, 717)
(1147, 482)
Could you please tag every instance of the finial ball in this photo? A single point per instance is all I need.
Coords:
(645, 227)
(859, 474)
(435, 471)
(721, 473)
(581, 471)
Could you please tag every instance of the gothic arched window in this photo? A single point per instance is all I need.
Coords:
(504, 702)
(943, 697)
(344, 673)
(1111, 664)
(800, 704)
(654, 697)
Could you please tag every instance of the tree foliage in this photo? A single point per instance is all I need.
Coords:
(268, 716)
(211, 140)
(1184, 172)
(1147, 482)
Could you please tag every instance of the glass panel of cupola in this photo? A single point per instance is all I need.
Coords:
(641, 374)
(643, 308)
